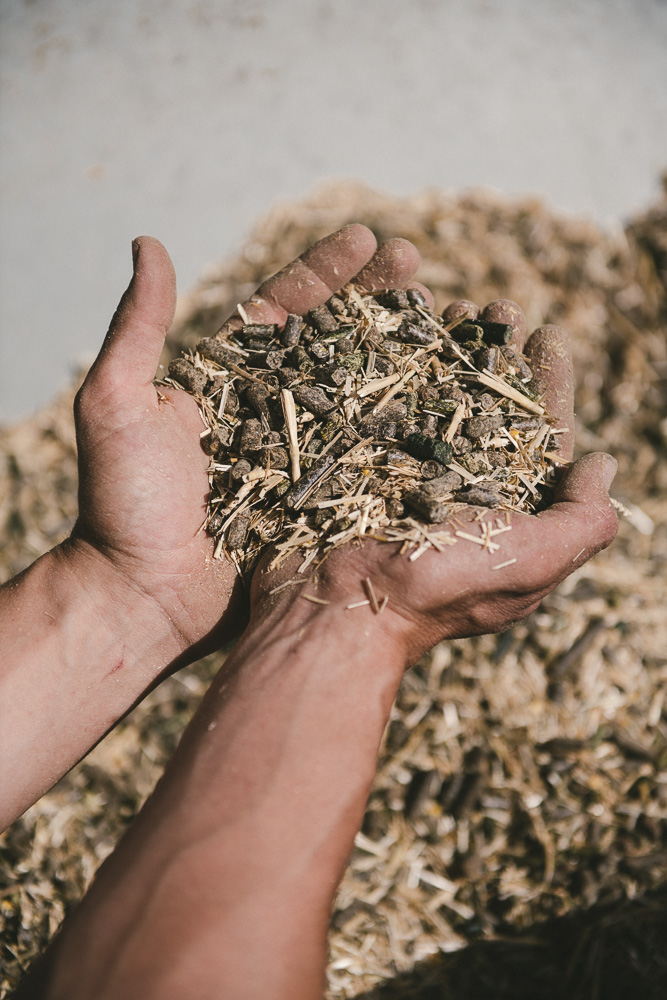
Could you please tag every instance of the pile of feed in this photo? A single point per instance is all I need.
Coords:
(514, 841)
(368, 418)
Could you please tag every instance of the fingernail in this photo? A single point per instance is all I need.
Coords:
(609, 470)
(136, 246)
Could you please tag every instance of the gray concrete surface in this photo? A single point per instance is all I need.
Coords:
(187, 120)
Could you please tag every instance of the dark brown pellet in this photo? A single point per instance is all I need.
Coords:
(514, 360)
(381, 429)
(232, 402)
(429, 507)
(323, 320)
(251, 436)
(525, 423)
(394, 508)
(384, 366)
(395, 410)
(298, 491)
(299, 358)
(430, 469)
(240, 469)
(238, 530)
(185, 373)
(255, 347)
(313, 399)
(410, 333)
(344, 346)
(333, 375)
(319, 350)
(258, 331)
(443, 407)
(393, 298)
(478, 496)
(286, 376)
(462, 445)
(273, 360)
(427, 393)
(449, 392)
(291, 331)
(216, 350)
(429, 425)
(485, 400)
(275, 457)
(215, 522)
(219, 438)
(487, 358)
(374, 338)
(477, 427)
(336, 304)
(256, 395)
(496, 459)
(327, 491)
(447, 483)
(407, 427)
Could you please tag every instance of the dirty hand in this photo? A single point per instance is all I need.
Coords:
(469, 588)
(143, 481)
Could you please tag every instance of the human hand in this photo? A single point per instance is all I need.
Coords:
(468, 588)
(143, 480)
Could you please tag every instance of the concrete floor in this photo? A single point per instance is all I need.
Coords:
(187, 120)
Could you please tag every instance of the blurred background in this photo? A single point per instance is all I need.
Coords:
(187, 120)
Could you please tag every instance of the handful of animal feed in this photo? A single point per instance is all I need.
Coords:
(370, 417)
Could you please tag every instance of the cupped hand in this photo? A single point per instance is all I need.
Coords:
(143, 480)
(469, 588)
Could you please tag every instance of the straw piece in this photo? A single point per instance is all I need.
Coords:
(289, 410)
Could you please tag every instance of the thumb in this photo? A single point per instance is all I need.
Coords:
(582, 511)
(132, 347)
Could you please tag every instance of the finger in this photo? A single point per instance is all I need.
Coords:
(391, 266)
(581, 522)
(506, 311)
(131, 349)
(549, 355)
(460, 309)
(309, 280)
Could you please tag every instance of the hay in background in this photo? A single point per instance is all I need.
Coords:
(523, 776)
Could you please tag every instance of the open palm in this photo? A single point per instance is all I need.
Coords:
(467, 588)
(143, 482)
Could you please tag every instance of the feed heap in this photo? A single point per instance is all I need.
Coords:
(369, 417)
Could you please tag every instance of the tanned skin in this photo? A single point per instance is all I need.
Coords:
(223, 884)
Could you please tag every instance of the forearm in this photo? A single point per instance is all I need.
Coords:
(77, 648)
(223, 885)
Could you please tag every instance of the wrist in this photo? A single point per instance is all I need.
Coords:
(121, 608)
(348, 611)
(77, 650)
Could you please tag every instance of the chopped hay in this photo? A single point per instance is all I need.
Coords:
(514, 843)
(383, 413)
